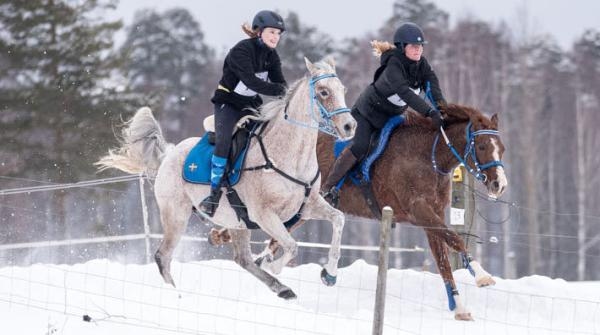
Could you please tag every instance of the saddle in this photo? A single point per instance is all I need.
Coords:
(360, 175)
(197, 165)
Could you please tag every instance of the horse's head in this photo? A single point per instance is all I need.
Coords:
(484, 148)
(328, 100)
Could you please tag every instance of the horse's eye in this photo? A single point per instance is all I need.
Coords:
(323, 93)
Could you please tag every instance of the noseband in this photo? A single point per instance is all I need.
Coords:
(468, 151)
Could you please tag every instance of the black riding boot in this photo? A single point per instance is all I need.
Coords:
(341, 166)
(209, 204)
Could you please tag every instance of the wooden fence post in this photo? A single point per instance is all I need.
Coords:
(384, 245)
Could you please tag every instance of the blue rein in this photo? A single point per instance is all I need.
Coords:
(469, 148)
(469, 151)
(326, 125)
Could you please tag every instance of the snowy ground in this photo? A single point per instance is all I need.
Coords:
(217, 297)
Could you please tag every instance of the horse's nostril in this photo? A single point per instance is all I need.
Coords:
(347, 127)
(495, 185)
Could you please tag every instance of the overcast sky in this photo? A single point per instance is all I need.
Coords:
(564, 19)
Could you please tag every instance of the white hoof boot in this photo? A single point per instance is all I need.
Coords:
(460, 312)
(482, 277)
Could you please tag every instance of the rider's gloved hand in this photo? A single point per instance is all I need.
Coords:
(436, 118)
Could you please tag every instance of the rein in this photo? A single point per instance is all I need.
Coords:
(327, 128)
(468, 151)
(469, 147)
(326, 125)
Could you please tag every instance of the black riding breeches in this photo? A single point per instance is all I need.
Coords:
(362, 136)
(226, 116)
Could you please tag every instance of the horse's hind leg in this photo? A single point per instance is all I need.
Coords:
(440, 254)
(243, 257)
(174, 223)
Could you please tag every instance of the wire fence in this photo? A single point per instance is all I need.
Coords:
(133, 295)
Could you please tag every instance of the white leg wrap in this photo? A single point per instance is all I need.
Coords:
(461, 312)
(482, 277)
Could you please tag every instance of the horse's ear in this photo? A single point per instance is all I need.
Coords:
(494, 120)
(331, 61)
(310, 66)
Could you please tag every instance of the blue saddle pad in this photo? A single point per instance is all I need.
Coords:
(365, 165)
(196, 168)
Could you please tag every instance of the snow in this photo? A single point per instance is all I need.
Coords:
(218, 297)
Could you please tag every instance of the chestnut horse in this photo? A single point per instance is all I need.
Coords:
(412, 177)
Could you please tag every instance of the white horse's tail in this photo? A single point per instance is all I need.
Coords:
(142, 146)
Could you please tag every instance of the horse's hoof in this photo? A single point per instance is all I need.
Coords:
(327, 279)
(486, 281)
(463, 317)
(214, 239)
(287, 294)
(259, 261)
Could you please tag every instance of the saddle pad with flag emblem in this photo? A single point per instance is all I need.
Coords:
(196, 168)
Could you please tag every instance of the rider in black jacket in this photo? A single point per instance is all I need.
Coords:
(251, 67)
(403, 74)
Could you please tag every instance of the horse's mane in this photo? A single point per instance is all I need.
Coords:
(453, 113)
(269, 110)
(272, 108)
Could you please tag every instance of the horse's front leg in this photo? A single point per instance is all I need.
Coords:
(437, 231)
(454, 241)
(319, 208)
(271, 249)
(270, 223)
(243, 257)
(440, 254)
(482, 277)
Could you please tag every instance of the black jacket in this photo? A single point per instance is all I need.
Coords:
(241, 82)
(396, 80)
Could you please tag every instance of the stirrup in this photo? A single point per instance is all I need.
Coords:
(209, 204)
(332, 196)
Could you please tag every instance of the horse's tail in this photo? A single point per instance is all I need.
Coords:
(142, 146)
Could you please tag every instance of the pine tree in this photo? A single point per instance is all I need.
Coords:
(56, 65)
(167, 58)
(301, 41)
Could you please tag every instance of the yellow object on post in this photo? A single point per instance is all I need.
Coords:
(457, 176)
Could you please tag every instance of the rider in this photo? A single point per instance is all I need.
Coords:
(251, 67)
(395, 87)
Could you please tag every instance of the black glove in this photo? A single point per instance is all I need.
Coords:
(436, 119)
(281, 89)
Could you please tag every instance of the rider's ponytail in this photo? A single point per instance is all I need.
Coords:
(248, 30)
(379, 47)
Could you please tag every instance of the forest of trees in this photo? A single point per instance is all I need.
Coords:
(65, 84)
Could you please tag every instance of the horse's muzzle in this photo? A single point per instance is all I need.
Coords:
(348, 129)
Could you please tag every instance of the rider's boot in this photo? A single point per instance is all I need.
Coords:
(209, 204)
(341, 166)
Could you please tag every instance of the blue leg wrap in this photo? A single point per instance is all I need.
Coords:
(466, 259)
(451, 293)
(217, 170)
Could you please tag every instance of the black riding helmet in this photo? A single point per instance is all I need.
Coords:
(409, 33)
(267, 18)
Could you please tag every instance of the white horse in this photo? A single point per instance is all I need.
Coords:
(289, 140)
